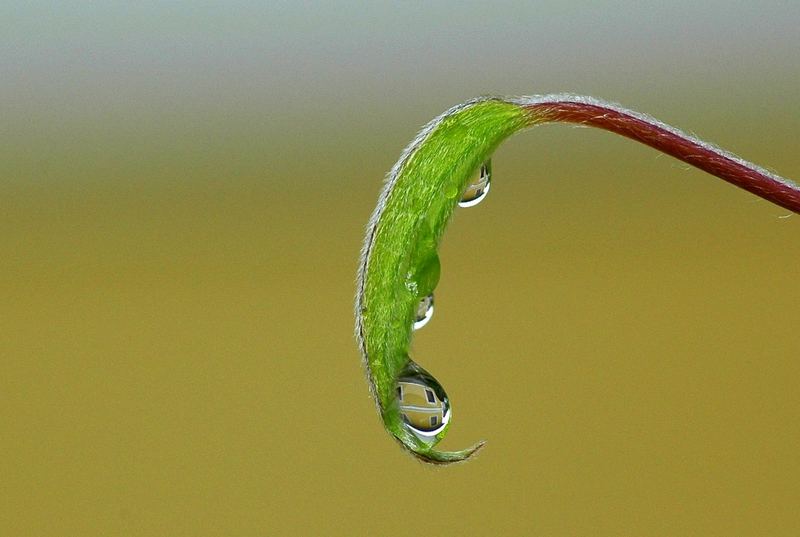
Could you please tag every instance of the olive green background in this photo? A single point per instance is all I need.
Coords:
(184, 192)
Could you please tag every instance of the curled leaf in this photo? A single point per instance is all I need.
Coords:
(399, 267)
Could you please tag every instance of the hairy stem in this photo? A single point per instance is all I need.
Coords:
(644, 129)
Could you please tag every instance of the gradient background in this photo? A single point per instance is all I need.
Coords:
(184, 192)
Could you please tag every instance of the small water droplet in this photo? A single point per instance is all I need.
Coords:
(478, 187)
(411, 285)
(424, 312)
(424, 407)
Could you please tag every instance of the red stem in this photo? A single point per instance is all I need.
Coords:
(672, 142)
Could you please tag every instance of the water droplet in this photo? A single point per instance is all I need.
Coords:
(411, 285)
(424, 312)
(478, 187)
(423, 403)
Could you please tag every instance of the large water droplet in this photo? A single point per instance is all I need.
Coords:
(478, 187)
(424, 407)
(424, 312)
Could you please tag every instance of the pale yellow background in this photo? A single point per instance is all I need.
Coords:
(184, 191)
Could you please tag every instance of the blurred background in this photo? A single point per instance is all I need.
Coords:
(185, 187)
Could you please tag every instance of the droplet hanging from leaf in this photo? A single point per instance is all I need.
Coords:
(423, 403)
(478, 187)
(424, 312)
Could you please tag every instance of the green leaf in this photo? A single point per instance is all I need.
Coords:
(399, 264)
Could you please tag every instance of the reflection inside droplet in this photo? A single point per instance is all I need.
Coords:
(478, 187)
(423, 403)
(424, 312)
